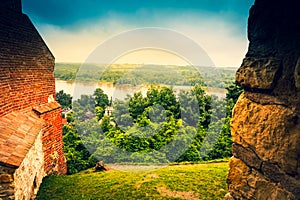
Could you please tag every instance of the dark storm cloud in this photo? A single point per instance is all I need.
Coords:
(67, 12)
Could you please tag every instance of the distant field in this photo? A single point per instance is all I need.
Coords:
(145, 74)
(201, 181)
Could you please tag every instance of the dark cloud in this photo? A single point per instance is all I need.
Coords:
(68, 12)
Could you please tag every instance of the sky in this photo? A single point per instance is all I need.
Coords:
(73, 29)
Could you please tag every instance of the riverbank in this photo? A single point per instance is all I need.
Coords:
(119, 91)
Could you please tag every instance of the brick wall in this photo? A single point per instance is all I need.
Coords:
(26, 64)
(27, 80)
(54, 158)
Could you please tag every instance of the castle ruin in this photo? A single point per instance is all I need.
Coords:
(31, 144)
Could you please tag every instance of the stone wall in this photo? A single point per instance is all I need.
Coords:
(28, 177)
(23, 182)
(30, 148)
(265, 125)
(6, 182)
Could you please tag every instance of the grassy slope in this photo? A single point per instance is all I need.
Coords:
(202, 181)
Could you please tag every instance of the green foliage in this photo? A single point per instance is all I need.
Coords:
(145, 74)
(78, 157)
(140, 107)
(157, 128)
(65, 100)
(121, 113)
(140, 138)
(234, 91)
(84, 108)
(222, 148)
(105, 124)
(137, 105)
(70, 117)
(66, 71)
(99, 111)
(205, 181)
(101, 99)
(88, 106)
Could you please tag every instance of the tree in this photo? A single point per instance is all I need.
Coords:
(101, 99)
(77, 156)
(101, 102)
(99, 112)
(70, 117)
(168, 100)
(137, 105)
(204, 104)
(234, 91)
(148, 124)
(189, 108)
(121, 114)
(65, 100)
(105, 124)
(84, 108)
(164, 97)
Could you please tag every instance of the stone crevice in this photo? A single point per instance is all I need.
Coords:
(265, 99)
(247, 155)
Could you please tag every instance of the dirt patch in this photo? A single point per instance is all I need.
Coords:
(152, 176)
(135, 168)
(182, 195)
(147, 179)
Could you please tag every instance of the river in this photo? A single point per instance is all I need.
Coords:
(117, 91)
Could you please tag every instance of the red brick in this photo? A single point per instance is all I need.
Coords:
(26, 82)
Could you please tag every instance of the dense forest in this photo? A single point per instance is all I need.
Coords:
(161, 127)
(134, 74)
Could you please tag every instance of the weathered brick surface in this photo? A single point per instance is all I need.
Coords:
(31, 143)
(18, 131)
(26, 64)
(52, 138)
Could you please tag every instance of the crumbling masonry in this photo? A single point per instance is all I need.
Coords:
(31, 144)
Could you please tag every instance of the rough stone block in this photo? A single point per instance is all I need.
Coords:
(248, 183)
(6, 178)
(258, 73)
(269, 131)
(247, 155)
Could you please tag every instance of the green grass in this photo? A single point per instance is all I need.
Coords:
(200, 181)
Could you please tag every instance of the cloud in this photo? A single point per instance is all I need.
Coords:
(223, 40)
(76, 43)
(66, 12)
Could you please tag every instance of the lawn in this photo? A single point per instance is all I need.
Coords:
(201, 181)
